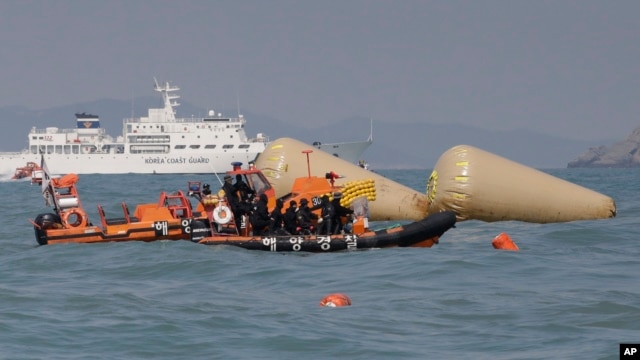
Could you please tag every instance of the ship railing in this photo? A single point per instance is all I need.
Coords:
(227, 120)
(25, 151)
(65, 131)
(48, 131)
(260, 139)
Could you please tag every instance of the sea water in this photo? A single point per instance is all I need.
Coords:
(571, 292)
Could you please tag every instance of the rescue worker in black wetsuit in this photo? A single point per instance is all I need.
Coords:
(340, 212)
(260, 219)
(304, 217)
(327, 215)
(242, 189)
(233, 200)
(276, 227)
(229, 191)
(245, 195)
(290, 217)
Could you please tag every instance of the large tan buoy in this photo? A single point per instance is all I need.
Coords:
(483, 186)
(283, 161)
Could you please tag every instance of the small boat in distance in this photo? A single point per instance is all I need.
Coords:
(158, 143)
(31, 170)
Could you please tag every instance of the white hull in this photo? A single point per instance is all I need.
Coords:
(159, 143)
(193, 163)
(348, 151)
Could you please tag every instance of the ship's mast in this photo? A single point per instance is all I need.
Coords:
(169, 99)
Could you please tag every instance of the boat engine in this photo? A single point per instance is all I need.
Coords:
(44, 222)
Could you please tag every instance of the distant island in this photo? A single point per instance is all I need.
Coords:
(623, 154)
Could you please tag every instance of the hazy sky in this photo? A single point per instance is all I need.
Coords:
(565, 67)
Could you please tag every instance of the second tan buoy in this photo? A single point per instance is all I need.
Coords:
(483, 186)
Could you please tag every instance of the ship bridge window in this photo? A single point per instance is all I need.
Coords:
(244, 146)
(67, 149)
(58, 149)
(210, 146)
(149, 139)
(180, 147)
(194, 146)
(227, 146)
(75, 149)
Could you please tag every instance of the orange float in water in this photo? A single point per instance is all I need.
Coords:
(503, 242)
(335, 300)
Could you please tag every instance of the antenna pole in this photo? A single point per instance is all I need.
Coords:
(308, 164)
(238, 103)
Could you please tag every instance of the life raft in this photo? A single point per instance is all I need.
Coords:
(423, 233)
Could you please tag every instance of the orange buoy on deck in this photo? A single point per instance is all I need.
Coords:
(503, 242)
(335, 300)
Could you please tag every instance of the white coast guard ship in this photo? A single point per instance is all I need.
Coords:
(159, 143)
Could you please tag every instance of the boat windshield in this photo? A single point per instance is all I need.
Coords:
(258, 182)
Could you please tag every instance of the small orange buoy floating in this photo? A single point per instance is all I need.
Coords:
(335, 300)
(504, 242)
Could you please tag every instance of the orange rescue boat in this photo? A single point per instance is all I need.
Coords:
(32, 170)
(423, 233)
(170, 218)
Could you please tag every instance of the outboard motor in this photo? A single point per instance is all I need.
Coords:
(44, 222)
(200, 229)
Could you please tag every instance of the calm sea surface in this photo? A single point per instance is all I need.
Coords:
(571, 292)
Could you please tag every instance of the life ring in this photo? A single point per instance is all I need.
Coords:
(222, 214)
(80, 218)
